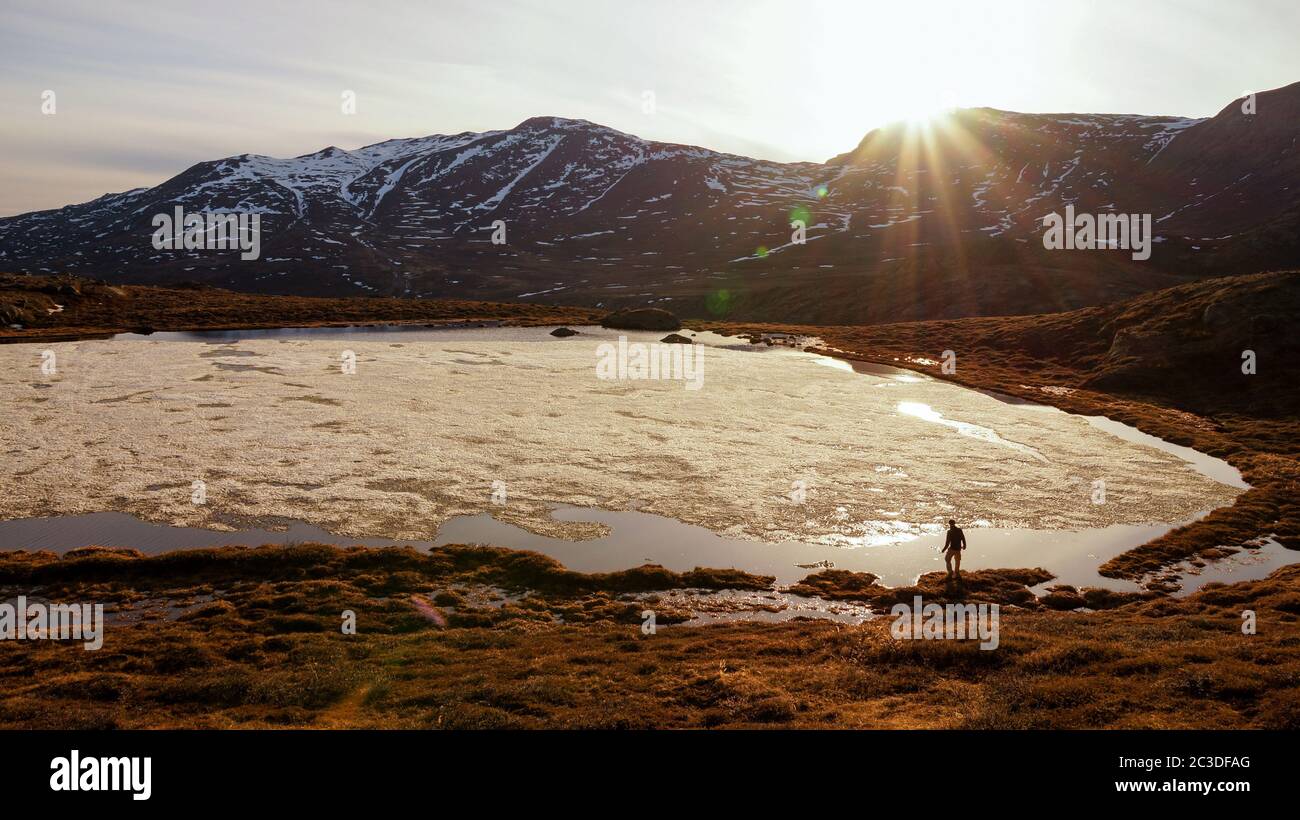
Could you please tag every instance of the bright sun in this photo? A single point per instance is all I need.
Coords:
(919, 105)
(884, 63)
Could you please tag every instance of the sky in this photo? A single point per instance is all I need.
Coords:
(142, 91)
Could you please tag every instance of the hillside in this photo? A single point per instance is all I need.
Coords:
(914, 223)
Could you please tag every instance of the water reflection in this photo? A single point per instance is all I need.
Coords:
(635, 538)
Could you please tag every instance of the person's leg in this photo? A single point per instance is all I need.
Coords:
(956, 560)
(947, 560)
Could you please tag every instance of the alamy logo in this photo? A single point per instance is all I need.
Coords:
(932, 622)
(655, 361)
(21, 621)
(1088, 232)
(102, 774)
(209, 231)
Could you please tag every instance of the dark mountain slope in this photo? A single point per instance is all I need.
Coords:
(913, 223)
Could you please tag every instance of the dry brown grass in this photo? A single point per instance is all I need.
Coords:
(255, 641)
(93, 309)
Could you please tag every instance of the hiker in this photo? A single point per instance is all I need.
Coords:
(952, 547)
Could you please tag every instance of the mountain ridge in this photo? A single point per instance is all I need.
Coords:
(600, 217)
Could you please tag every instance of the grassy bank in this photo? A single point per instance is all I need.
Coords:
(483, 638)
(60, 308)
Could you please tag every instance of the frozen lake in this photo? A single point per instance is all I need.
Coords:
(508, 436)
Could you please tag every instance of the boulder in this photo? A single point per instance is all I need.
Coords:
(641, 319)
(676, 339)
(564, 332)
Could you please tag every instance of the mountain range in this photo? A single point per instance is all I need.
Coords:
(915, 222)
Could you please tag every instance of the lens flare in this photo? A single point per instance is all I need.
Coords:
(428, 610)
(719, 302)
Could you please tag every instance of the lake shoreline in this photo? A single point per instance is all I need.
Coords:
(174, 372)
(251, 638)
(1257, 431)
(98, 311)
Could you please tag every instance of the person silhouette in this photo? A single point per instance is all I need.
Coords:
(952, 547)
